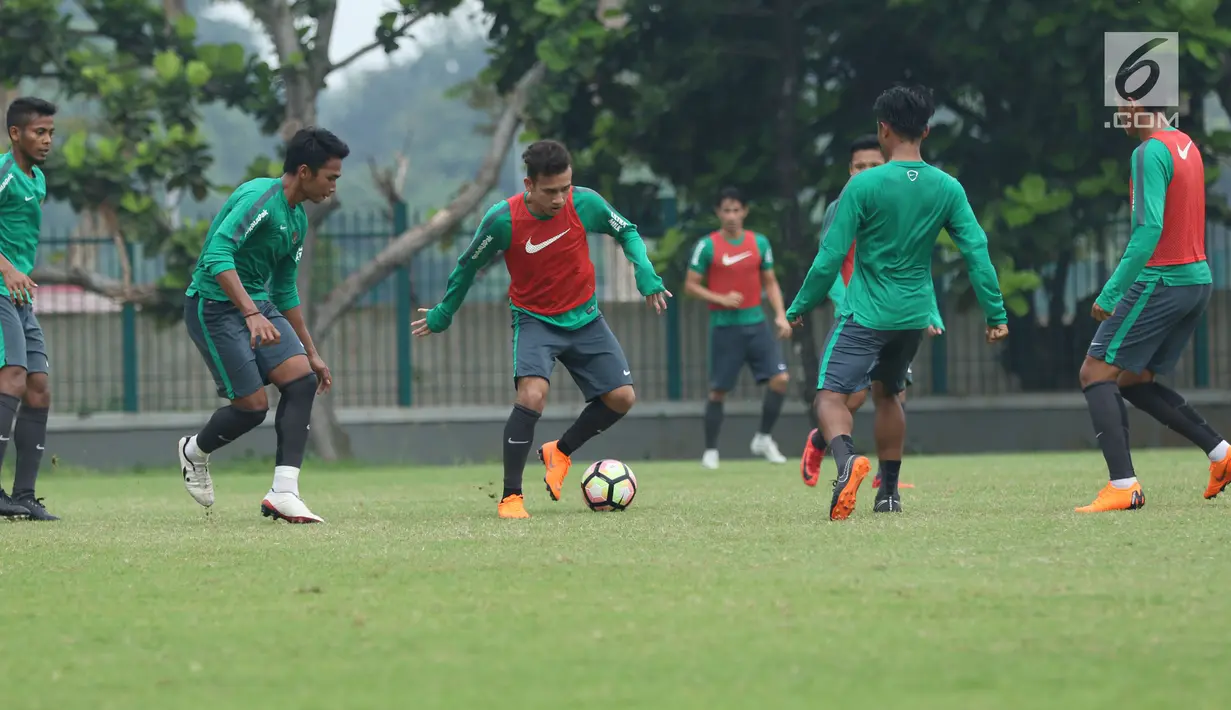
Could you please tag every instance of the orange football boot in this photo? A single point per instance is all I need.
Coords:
(557, 467)
(847, 485)
(512, 506)
(810, 462)
(1220, 476)
(1112, 498)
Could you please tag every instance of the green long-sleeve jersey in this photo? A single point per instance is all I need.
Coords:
(897, 210)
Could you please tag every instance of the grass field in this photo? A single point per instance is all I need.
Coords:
(716, 590)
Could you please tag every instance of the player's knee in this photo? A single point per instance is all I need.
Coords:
(532, 393)
(881, 393)
(779, 382)
(38, 393)
(302, 390)
(247, 419)
(255, 402)
(1129, 379)
(620, 399)
(1093, 371)
(13, 381)
(717, 395)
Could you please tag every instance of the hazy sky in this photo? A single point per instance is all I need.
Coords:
(354, 26)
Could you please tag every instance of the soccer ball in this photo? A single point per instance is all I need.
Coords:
(608, 485)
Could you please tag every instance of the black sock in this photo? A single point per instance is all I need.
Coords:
(518, 438)
(292, 420)
(1170, 409)
(889, 472)
(818, 439)
(843, 448)
(1110, 418)
(771, 407)
(8, 412)
(226, 425)
(713, 423)
(596, 418)
(29, 436)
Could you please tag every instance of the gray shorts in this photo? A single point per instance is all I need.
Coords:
(731, 346)
(591, 354)
(218, 330)
(21, 337)
(855, 356)
(1150, 327)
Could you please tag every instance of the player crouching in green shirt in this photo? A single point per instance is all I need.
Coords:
(242, 313)
(23, 354)
(729, 269)
(893, 213)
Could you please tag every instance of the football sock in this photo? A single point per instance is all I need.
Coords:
(286, 479)
(1123, 483)
(596, 418)
(29, 436)
(1173, 411)
(713, 423)
(889, 472)
(518, 438)
(843, 448)
(8, 412)
(771, 407)
(1110, 419)
(818, 439)
(1220, 452)
(226, 425)
(292, 421)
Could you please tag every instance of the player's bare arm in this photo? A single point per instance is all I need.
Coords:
(773, 291)
(694, 286)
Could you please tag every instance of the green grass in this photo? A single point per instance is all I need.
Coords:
(716, 590)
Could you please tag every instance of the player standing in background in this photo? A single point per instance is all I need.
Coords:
(554, 301)
(729, 269)
(893, 214)
(242, 313)
(23, 374)
(865, 153)
(1149, 309)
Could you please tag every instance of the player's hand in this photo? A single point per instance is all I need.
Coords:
(419, 327)
(798, 322)
(323, 377)
(21, 287)
(783, 326)
(732, 300)
(997, 332)
(658, 300)
(934, 331)
(261, 333)
(1098, 314)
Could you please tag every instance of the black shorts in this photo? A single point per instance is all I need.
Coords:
(21, 337)
(591, 354)
(733, 346)
(855, 356)
(220, 333)
(1150, 327)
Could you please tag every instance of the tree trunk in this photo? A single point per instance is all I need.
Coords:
(787, 172)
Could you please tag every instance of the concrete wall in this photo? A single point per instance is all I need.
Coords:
(653, 431)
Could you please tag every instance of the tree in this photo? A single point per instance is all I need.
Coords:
(766, 94)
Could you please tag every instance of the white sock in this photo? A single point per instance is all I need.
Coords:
(1220, 452)
(286, 479)
(1123, 483)
(191, 450)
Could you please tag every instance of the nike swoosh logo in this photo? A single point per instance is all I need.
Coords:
(728, 260)
(531, 247)
(517, 442)
(31, 197)
(1184, 151)
(40, 447)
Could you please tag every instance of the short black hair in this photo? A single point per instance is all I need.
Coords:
(730, 193)
(313, 147)
(1121, 79)
(27, 108)
(906, 109)
(546, 157)
(865, 142)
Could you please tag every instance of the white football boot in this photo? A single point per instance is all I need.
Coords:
(196, 475)
(764, 445)
(288, 507)
(709, 459)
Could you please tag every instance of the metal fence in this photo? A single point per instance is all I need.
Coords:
(111, 357)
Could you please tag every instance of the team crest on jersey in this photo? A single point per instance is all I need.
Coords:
(298, 254)
(912, 175)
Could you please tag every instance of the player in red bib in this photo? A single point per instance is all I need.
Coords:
(1149, 309)
(729, 269)
(552, 293)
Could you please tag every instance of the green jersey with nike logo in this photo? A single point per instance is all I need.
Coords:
(21, 214)
(259, 235)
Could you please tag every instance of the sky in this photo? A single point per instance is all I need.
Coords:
(354, 28)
